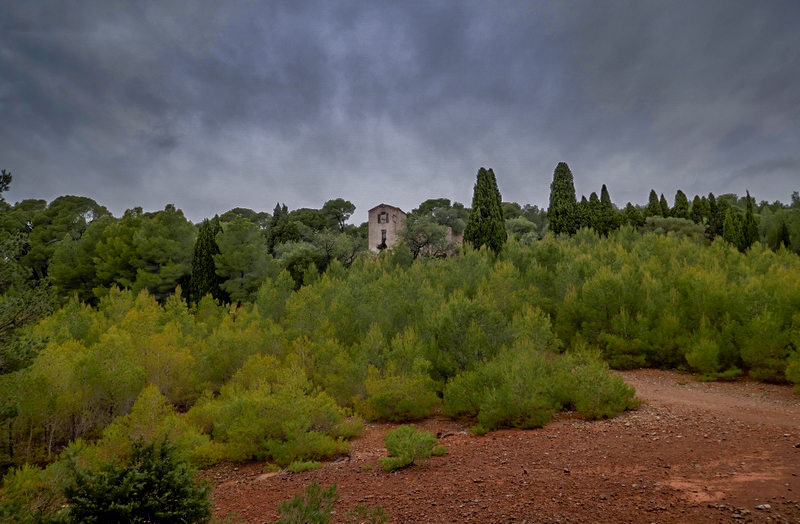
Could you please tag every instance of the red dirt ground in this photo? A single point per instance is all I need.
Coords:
(693, 452)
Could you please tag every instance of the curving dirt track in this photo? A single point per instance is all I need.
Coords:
(693, 452)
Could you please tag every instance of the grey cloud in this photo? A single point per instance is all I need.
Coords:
(214, 105)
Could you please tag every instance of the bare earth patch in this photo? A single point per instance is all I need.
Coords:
(693, 452)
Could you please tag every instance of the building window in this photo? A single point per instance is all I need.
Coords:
(383, 236)
(383, 218)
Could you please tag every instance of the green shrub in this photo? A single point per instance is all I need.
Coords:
(400, 397)
(514, 390)
(313, 507)
(299, 466)
(32, 495)
(407, 445)
(285, 419)
(151, 485)
(595, 392)
(364, 515)
(793, 370)
(523, 388)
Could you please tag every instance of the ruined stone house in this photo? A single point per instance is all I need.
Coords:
(385, 224)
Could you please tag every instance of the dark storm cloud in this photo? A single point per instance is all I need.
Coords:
(212, 106)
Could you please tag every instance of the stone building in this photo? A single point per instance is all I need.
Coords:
(385, 224)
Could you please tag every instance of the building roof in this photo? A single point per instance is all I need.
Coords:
(386, 205)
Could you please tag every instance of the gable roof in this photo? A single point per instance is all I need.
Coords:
(386, 205)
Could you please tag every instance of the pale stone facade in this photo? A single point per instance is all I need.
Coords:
(385, 224)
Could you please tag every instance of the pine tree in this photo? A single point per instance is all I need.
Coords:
(653, 208)
(749, 231)
(204, 272)
(486, 225)
(562, 209)
(681, 207)
(664, 206)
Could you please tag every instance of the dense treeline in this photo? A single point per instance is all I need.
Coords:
(257, 336)
(387, 336)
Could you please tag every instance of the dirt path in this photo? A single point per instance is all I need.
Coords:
(693, 452)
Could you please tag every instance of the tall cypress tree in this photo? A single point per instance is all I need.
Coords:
(653, 208)
(204, 272)
(681, 207)
(664, 206)
(730, 228)
(749, 232)
(486, 224)
(715, 218)
(594, 211)
(632, 216)
(562, 210)
(784, 239)
(608, 219)
(583, 214)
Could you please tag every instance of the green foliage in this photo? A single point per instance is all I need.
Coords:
(662, 201)
(407, 445)
(400, 396)
(653, 208)
(681, 207)
(486, 225)
(281, 229)
(524, 387)
(33, 495)
(365, 515)
(243, 262)
(561, 211)
(749, 227)
(299, 466)
(314, 507)
(22, 302)
(424, 236)
(337, 212)
(272, 412)
(205, 280)
(151, 485)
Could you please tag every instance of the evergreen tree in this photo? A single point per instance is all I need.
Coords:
(632, 216)
(205, 280)
(730, 229)
(608, 219)
(749, 230)
(486, 224)
(715, 218)
(783, 235)
(681, 207)
(281, 229)
(664, 206)
(594, 211)
(699, 211)
(653, 208)
(562, 209)
(583, 214)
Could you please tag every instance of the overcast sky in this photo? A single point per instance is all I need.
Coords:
(212, 105)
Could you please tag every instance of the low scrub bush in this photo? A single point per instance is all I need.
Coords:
(400, 397)
(285, 419)
(523, 388)
(315, 506)
(300, 465)
(407, 445)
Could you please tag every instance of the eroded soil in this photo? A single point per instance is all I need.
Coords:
(693, 452)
